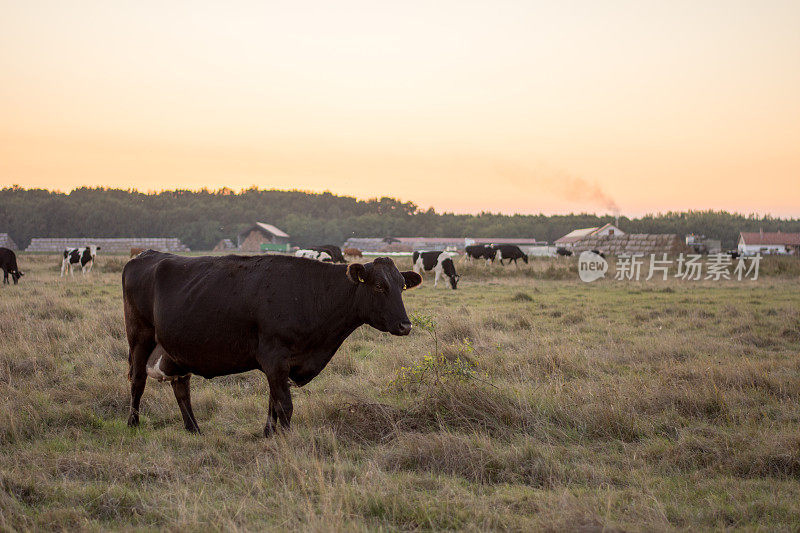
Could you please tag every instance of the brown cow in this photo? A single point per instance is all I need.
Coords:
(353, 252)
(216, 316)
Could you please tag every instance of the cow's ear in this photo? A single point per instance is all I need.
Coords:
(357, 273)
(412, 279)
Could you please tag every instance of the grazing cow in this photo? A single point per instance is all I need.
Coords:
(439, 262)
(215, 316)
(563, 252)
(480, 251)
(8, 262)
(734, 254)
(600, 253)
(510, 252)
(79, 256)
(137, 251)
(353, 252)
(334, 251)
(314, 254)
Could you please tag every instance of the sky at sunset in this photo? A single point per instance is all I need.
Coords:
(465, 106)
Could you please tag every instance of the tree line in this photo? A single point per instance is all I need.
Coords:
(201, 218)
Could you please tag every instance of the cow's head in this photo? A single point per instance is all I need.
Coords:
(454, 281)
(525, 258)
(449, 269)
(16, 275)
(379, 294)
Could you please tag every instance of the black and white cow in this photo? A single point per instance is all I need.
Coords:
(332, 250)
(314, 254)
(439, 262)
(73, 257)
(480, 251)
(8, 262)
(511, 252)
(563, 252)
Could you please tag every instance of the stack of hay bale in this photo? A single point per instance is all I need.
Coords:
(633, 243)
(7, 242)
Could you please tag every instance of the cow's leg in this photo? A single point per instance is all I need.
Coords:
(436, 279)
(137, 373)
(63, 264)
(280, 397)
(180, 386)
(141, 341)
(5, 277)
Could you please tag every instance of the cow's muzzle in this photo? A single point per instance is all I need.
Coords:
(404, 328)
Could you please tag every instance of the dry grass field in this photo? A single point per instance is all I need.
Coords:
(522, 401)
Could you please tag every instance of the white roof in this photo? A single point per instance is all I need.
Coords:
(580, 232)
(272, 229)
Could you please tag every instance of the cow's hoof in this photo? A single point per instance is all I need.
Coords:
(193, 429)
(133, 420)
(269, 430)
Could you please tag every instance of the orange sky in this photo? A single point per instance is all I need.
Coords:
(465, 106)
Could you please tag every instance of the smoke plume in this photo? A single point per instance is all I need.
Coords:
(560, 183)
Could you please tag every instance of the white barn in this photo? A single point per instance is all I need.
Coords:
(751, 243)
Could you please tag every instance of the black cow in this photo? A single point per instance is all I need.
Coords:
(334, 251)
(480, 251)
(78, 256)
(511, 252)
(285, 316)
(439, 262)
(563, 252)
(600, 253)
(8, 262)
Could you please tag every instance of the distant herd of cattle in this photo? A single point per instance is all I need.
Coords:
(440, 263)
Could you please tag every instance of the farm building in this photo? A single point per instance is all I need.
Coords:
(409, 244)
(7, 242)
(225, 245)
(117, 245)
(260, 233)
(568, 240)
(769, 243)
(632, 243)
(702, 245)
(403, 244)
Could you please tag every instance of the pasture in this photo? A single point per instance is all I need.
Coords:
(525, 400)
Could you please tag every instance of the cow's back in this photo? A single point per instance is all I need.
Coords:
(8, 258)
